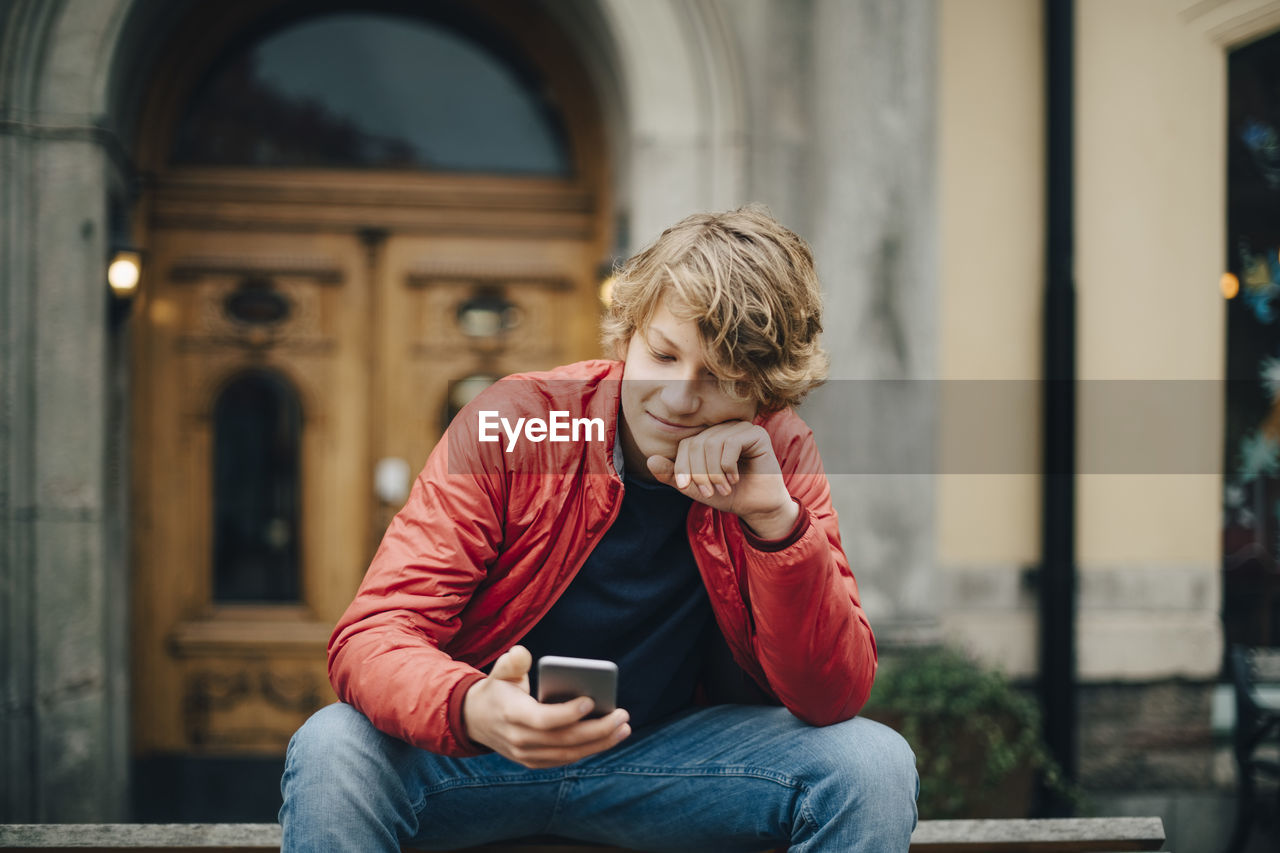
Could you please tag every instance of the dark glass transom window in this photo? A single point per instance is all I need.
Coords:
(373, 90)
(257, 436)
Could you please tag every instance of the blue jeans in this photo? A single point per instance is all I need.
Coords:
(725, 778)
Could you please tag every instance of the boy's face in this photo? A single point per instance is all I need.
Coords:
(668, 392)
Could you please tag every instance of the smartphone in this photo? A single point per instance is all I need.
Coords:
(561, 679)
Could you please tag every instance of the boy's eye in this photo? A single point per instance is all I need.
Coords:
(661, 356)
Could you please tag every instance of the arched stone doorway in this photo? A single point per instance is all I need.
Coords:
(71, 143)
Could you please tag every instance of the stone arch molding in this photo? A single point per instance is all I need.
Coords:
(667, 71)
(680, 78)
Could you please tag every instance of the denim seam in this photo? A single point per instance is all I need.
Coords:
(565, 782)
(727, 770)
(731, 770)
(481, 782)
(806, 815)
(738, 771)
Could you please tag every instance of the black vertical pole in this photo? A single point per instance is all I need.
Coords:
(1057, 569)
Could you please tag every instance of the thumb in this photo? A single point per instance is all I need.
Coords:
(513, 667)
(663, 469)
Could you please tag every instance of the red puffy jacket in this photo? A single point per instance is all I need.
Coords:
(489, 539)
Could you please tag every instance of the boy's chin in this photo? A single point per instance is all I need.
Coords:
(659, 448)
(647, 472)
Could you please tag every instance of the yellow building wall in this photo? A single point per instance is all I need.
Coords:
(1150, 223)
(1151, 214)
(991, 231)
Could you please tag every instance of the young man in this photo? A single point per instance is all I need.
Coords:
(687, 534)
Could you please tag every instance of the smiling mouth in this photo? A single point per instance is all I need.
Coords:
(668, 426)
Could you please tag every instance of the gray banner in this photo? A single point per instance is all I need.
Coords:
(978, 426)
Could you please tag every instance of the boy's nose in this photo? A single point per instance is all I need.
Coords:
(681, 397)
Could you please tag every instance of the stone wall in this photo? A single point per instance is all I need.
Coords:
(1149, 737)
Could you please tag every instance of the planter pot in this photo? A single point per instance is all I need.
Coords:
(952, 756)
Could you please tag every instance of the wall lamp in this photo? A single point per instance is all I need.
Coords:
(124, 271)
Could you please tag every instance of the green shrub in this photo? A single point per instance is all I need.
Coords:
(977, 739)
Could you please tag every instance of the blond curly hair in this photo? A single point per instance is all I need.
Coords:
(749, 284)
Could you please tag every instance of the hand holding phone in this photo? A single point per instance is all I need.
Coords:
(562, 679)
(499, 713)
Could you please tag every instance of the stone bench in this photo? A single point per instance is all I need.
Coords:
(1065, 835)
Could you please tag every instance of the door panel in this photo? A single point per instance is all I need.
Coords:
(370, 326)
(231, 676)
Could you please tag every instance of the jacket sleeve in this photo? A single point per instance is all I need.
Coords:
(386, 655)
(811, 638)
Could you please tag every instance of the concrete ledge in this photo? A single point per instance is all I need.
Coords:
(222, 837)
(1039, 836)
(1068, 835)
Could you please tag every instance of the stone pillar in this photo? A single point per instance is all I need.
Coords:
(65, 721)
(874, 230)
(17, 702)
(778, 35)
(63, 577)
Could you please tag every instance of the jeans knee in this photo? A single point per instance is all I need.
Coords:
(328, 736)
(340, 782)
(868, 765)
(897, 761)
(336, 753)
